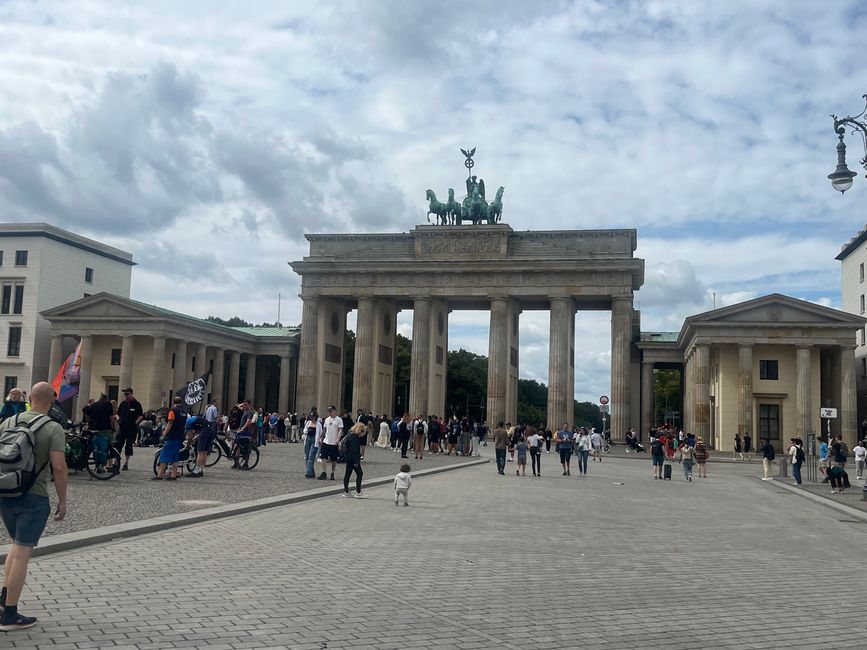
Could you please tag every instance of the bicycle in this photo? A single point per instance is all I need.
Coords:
(82, 455)
(219, 449)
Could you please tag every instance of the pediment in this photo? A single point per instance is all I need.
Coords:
(777, 309)
(101, 305)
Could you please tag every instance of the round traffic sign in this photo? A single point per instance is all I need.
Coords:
(603, 399)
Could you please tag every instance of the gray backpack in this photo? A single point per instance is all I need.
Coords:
(18, 470)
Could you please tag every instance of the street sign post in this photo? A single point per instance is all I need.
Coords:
(603, 400)
(828, 414)
(604, 408)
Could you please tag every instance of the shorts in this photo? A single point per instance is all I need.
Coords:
(125, 440)
(169, 451)
(658, 461)
(206, 439)
(25, 517)
(522, 459)
(565, 455)
(329, 452)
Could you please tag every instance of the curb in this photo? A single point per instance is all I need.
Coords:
(841, 507)
(79, 539)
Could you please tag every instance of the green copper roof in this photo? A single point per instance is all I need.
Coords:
(268, 331)
(660, 337)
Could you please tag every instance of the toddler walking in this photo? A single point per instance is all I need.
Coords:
(402, 483)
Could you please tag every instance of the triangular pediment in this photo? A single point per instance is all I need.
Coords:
(102, 305)
(777, 309)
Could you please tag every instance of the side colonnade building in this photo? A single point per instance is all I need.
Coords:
(156, 351)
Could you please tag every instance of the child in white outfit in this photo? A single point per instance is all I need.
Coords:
(402, 483)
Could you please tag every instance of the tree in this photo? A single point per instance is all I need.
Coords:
(402, 356)
(349, 367)
(234, 321)
(587, 415)
(666, 387)
(532, 402)
(466, 384)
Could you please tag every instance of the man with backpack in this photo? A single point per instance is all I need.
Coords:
(37, 440)
(839, 452)
(768, 456)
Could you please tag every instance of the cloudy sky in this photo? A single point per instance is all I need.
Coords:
(215, 134)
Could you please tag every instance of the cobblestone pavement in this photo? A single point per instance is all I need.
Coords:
(131, 497)
(477, 561)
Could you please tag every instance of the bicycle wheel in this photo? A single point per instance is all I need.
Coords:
(156, 461)
(253, 458)
(214, 455)
(102, 472)
(606, 447)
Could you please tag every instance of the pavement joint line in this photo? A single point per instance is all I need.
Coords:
(818, 498)
(115, 532)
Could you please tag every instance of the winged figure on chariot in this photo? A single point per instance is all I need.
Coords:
(473, 207)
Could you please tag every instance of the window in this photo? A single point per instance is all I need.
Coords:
(13, 346)
(864, 367)
(769, 369)
(88, 274)
(1, 264)
(115, 356)
(193, 368)
(112, 392)
(19, 299)
(8, 384)
(173, 360)
(87, 295)
(861, 271)
(769, 421)
(6, 303)
(862, 303)
(20, 258)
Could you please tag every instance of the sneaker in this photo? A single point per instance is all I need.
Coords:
(568, 473)
(344, 494)
(245, 466)
(396, 502)
(564, 473)
(332, 476)
(125, 467)
(235, 465)
(155, 478)
(322, 477)
(405, 504)
(360, 495)
(171, 478)
(18, 623)
(689, 478)
(195, 474)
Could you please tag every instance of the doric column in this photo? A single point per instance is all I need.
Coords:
(54, 357)
(86, 367)
(498, 361)
(419, 377)
(803, 392)
(648, 403)
(232, 396)
(848, 413)
(745, 390)
(180, 371)
(218, 380)
(560, 393)
(158, 373)
(283, 389)
(308, 357)
(621, 343)
(701, 407)
(250, 382)
(201, 352)
(126, 361)
(362, 378)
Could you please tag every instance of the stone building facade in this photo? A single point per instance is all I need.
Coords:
(853, 299)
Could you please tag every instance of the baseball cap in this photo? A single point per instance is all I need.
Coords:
(332, 408)
(127, 390)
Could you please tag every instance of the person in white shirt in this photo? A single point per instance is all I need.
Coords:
(332, 432)
(312, 437)
(860, 456)
(596, 442)
(582, 445)
(534, 442)
(402, 484)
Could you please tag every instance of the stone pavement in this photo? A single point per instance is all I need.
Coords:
(477, 561)
(131, 497)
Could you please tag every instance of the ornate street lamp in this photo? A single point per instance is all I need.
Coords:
(841, 178)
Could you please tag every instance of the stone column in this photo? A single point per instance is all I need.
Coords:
(234, 379)
(560, 393)
(621, 343)
(745, 391)
(180, 372)
(55, 356)
(648, 403)
(362, 378)
(218, 379)
(158, 373)
(419, 377)
(85, 371)
(498, 361)
(283, 390)
(701, 377)
(126, 361)
(201, 360)
(848, 396)
(308, 357)
(803, 392)
(250, 383)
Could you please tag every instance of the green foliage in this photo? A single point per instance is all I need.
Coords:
(587, 415)
(466, 384)
(666, 385)
(234, 321)
(349, 352)
(402, 355)
(532, 402)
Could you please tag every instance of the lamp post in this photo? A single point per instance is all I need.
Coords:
(841, 178)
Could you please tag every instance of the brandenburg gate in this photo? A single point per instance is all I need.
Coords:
(435, 269)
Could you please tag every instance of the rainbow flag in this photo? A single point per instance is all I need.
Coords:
(65, 383)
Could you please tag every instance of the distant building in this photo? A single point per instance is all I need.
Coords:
(41, 267)
(853, 293)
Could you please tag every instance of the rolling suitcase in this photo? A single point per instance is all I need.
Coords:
(666, 471)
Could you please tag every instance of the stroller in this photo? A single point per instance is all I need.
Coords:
(632, 444)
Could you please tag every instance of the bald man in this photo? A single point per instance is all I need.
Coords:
(25, 516)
